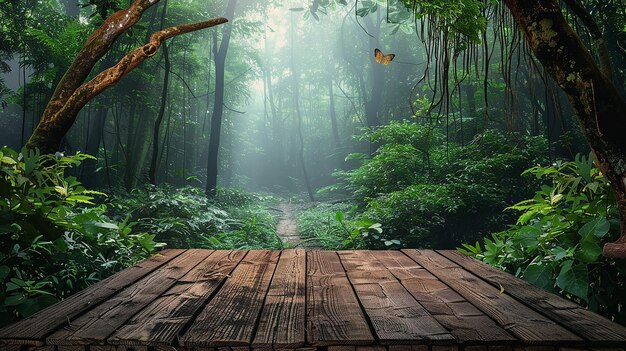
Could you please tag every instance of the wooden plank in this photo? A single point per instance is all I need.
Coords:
(395, 315)
(400, 348)
(71, 348)
(581, 321)
(230, 317)
(11, 347)
(334, 316)
(162, 320)
(523, 322)
(40, 348)
(282, 320)
(342, 348)
(130, 348)
(39, 325)
(102, 348)
(464, 321)
(98, 323)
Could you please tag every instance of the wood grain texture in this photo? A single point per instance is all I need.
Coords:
(334, 316)
(467, 323)
(37, 326)
(95, 326)
(581, 321)
(292, 300)
(231, 316)
(395, 315)
(282, 320)
(160, 322)
(521, 321)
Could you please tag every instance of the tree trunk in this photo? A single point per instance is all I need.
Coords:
(152, 173)
(95, 133)
(296, 101)
(218, 105)
(333, 113)
(592, 94)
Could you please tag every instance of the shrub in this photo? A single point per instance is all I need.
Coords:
(185, 217)
(53, 240)
(557, 241)
(430, 194)
(320, 225)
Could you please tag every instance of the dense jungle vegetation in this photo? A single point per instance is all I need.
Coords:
(474, 134)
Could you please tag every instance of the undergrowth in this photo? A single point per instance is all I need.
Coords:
(185, 218)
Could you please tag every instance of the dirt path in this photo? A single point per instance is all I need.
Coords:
(286, 227)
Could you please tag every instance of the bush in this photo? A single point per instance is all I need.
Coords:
(185, 217)
(430, 194)
(319, 224)
(557, 241)
(53, 240)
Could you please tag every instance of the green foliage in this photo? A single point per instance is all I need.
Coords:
(363, 229)
(401, 160)
(328, 225)
(427, 193)
(557, 241)
(184, 217)
(51, 244)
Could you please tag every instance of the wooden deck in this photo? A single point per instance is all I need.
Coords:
(414, 300)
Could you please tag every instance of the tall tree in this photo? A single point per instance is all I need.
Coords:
(152, 173)
(219, 54)
(73, 93)
(587, 84)
(296, 101)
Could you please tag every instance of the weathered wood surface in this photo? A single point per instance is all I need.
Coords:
(333, 313)
(521, 321)
(414, 300)
(583, 322)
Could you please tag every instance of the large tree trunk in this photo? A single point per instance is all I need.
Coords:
(72, 94)
(218, 105)
(588, 86)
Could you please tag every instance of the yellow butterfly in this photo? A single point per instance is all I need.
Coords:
(384, 59)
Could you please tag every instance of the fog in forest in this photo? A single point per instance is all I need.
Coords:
(299, 84)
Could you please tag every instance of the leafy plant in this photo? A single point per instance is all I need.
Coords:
(365, 229)
(184, 217)
(427, 193)
(53, 240)
(557, 241)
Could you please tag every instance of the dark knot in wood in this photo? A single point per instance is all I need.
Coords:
(150, 50)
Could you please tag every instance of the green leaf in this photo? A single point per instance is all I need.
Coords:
(598, 227)
(14, 300)
(4, 272)
(362, 12)
(574, 279)
(339, 216)
(7, 160)
(11, 287)
(539, 275)
(589, 251)
(528, 235)
(105, 225)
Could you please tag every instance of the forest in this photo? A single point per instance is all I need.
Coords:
(491, 127)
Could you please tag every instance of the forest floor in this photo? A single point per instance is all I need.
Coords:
(287, 228)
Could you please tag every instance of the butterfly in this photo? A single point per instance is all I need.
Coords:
(384, 59)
